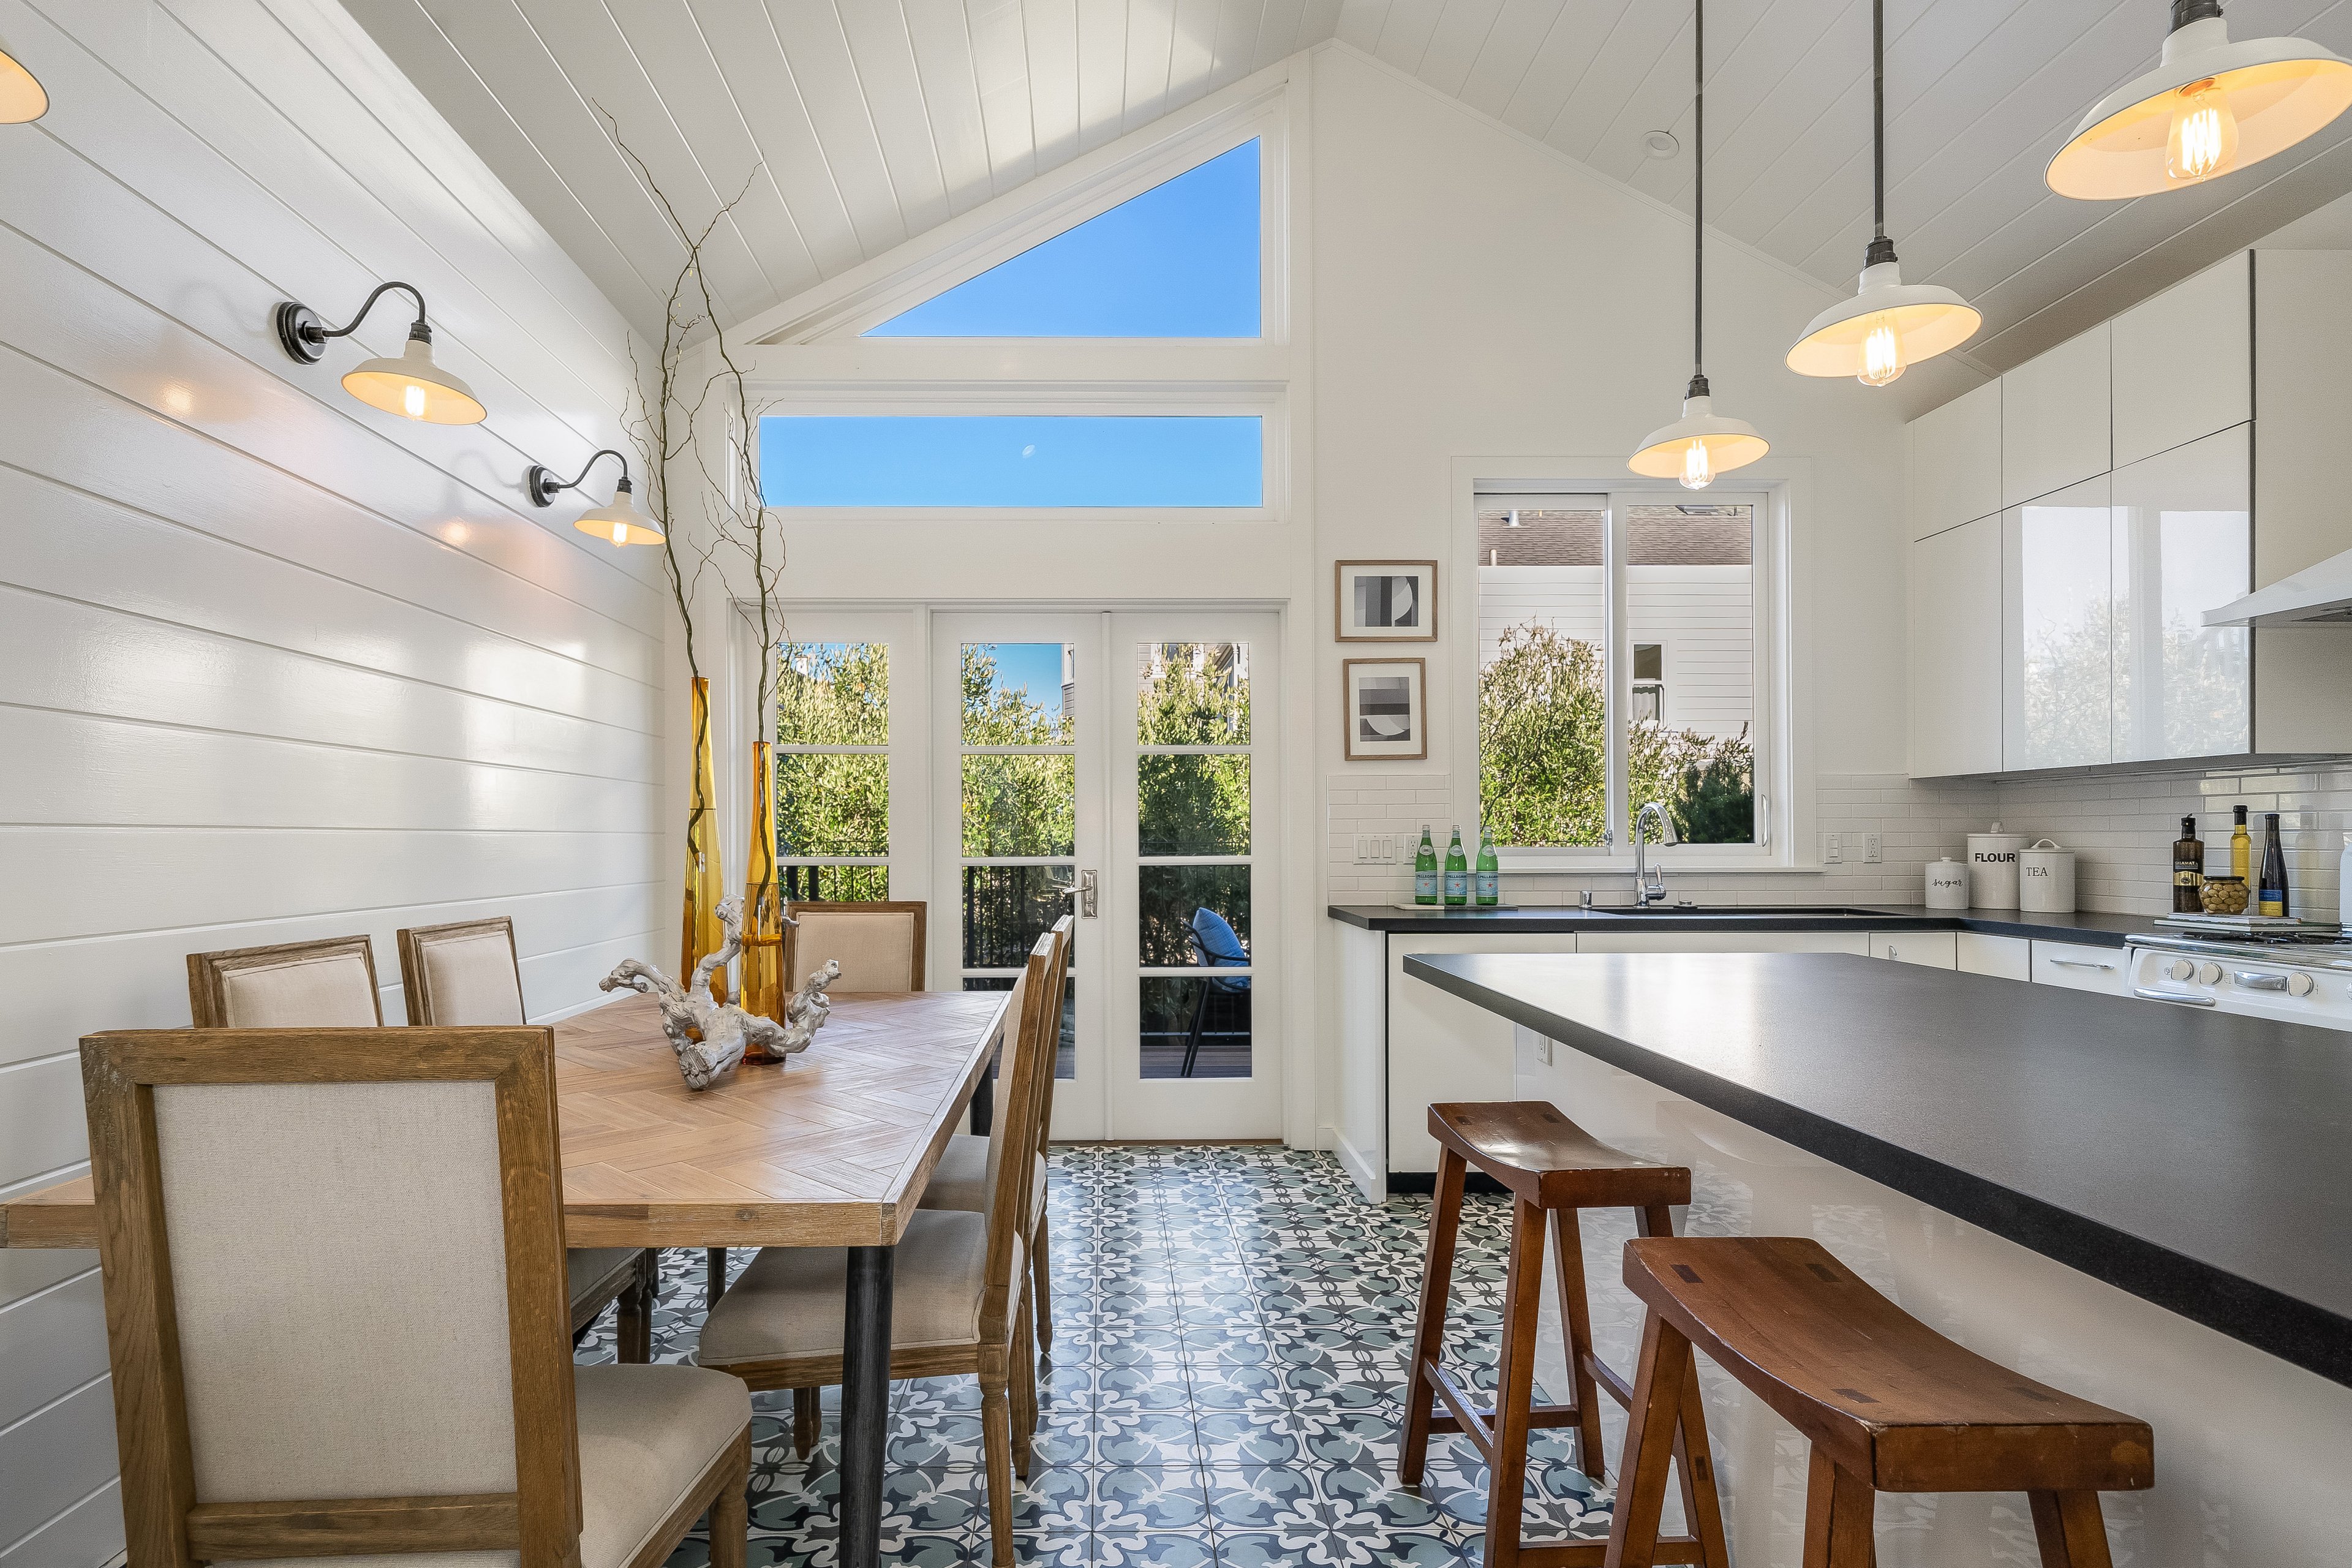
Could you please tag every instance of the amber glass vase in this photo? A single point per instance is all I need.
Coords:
(763, 909)
(704, 885)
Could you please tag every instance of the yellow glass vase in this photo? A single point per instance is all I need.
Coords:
(704, 883)
(763, 908)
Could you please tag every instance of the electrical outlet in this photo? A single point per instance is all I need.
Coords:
(1832, 853)
(1873, 847)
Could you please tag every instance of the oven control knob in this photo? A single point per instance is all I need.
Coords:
(2298, 983)
(2209, 974)
(2180, 969)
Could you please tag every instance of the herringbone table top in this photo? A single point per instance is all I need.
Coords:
(831, 1149)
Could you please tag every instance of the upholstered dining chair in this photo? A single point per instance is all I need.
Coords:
(965, 1178)
(335, 1317)
(958, 1281)
(465, 973)
(294, 985)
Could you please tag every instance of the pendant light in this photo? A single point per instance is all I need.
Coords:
(22, 97)
(411, 385)
(2211, 107)
(621, 522)
(1701, 443)
(1888, 324)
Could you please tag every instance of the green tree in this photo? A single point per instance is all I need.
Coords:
(1193, 694)
(834, 803)
(1014, 805)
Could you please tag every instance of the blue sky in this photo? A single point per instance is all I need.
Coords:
(1034, 665)
(1179, 261)
(1011, 460)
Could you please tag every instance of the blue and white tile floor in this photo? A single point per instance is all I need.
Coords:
(1231, 1327)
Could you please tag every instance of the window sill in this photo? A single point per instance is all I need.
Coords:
(1669, 868)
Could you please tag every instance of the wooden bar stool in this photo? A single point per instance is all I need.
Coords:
(1552, 1168)
(1888, 1404)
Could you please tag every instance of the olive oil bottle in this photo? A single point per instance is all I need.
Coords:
(2187, 869)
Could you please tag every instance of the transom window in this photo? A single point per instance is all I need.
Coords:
(1031, 460)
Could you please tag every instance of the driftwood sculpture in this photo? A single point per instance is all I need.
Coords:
(709, 1037)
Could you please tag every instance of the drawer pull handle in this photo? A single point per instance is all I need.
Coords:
(2082, 963)
(2181, 998)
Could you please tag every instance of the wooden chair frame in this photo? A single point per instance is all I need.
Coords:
(164, 1525)
(916, 906)
(208, 998)
(412, 940)
(1041, 1284)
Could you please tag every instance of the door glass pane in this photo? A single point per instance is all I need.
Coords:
(1020, 804)
(1007, 907)
(1195, 1028)
(1184, 911)
(1543, 743)
(833, 802)
(1690, 606)
(1191, 803)
(833, 694)
(834, 884)
(1018, 694)
(1065, 1055)
(1191, 694)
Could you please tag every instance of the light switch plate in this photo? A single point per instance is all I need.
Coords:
(1543, 1050)
(1376, 849)
(1832, 853)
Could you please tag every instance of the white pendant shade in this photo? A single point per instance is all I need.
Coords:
(621, 522)
(414, 387)
(2211, 106)
(1697, 447)
(1887, 325)
(22, 97)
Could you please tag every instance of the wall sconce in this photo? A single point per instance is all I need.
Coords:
(621, 522)
(412, 386)
(22, 97)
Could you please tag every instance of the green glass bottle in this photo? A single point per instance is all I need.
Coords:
(1488, 883)
(1424, 871)
(1457, 873)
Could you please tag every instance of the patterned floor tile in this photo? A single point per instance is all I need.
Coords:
(1230, 1333)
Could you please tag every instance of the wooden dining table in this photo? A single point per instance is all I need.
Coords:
(831, 1148)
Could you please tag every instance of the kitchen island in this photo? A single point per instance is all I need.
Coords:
(2149, 1206)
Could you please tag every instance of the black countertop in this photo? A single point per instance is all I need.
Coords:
(2201, 1161)
(2092, 926)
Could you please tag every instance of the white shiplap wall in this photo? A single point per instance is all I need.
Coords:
(272, 665)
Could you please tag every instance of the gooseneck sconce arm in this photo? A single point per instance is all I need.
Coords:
(621, 522)
(411, 385)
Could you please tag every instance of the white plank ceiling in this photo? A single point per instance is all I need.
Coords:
(849, 126)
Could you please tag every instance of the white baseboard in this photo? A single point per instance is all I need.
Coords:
(1370, 1176)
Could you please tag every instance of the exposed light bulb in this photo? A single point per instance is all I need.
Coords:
(2203, 141)
(411, 400)
(1882, 353)
(1698, 468)
(620, 533)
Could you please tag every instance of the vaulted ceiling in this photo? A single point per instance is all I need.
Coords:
(845, 127)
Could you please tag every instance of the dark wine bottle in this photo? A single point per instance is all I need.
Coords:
(2187, 869)
(2273, 898)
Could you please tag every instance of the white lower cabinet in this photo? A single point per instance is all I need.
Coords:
(1728, 942)
(2081, 967)
(1936, 949)
(2008, 957)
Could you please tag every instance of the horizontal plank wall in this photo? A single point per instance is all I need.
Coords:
(274, 665)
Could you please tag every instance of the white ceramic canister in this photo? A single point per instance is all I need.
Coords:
(1948, 885)
(2045, 878)
(1992, 869)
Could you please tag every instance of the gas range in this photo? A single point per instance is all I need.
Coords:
(2304, 978)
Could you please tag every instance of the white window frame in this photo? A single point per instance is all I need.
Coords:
(1784, 804)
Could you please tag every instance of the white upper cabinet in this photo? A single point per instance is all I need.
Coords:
(2053, 419)
(1956, 462)
(2183, 362)
(2182, 542)
(2057, 630)
(1956, 651)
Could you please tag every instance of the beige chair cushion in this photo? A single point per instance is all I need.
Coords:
(471, 980)
(876, 950)
(962, 1181)
(646, 1433)
(300, 992)
(596, 1273)
(789, 1302)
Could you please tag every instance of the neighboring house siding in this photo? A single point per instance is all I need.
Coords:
(274, 665)
(1703, 616)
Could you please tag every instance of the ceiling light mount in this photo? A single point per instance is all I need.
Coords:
(1660, 144)
(621, 522)
(410, 385)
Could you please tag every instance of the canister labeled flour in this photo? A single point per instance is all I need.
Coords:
(1948, 885)
(2045, 875)
(1992, 869)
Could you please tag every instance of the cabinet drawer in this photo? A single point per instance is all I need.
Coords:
(2009, 957)
(1936, 949)
(2080, 967)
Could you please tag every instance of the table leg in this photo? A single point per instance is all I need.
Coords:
(864, 1404)
(983, 1103)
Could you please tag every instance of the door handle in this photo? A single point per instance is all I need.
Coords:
(1084, 892)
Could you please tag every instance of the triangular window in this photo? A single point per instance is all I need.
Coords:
(1181, 260)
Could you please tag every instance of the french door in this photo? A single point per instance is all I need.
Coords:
(1121, 764)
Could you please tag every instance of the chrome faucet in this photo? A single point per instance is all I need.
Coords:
(1649, 881)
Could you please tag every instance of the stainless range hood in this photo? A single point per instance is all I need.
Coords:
(2317, 595)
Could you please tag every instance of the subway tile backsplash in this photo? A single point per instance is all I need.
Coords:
(2121, 827)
